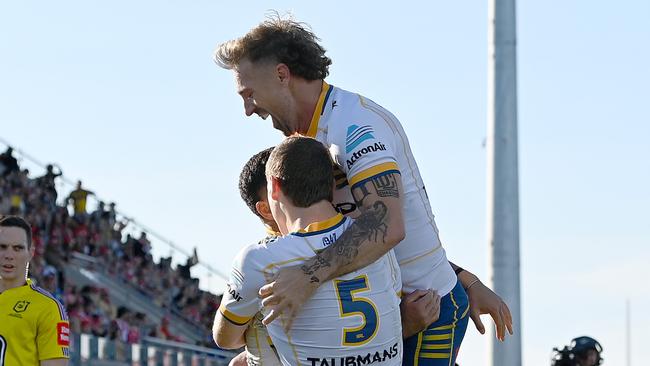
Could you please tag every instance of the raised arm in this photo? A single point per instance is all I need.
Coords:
(378, 229)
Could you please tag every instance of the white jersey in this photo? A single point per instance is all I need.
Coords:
(353, 319)
(260, 350)
(367, 141)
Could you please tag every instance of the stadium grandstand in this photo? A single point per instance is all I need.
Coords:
(95, 262)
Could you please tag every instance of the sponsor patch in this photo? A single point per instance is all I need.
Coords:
(63, 334)
(377, 146)
(357, 360)
(356, 135)
(233, 292)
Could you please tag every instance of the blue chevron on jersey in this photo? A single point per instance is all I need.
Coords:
(357, 135)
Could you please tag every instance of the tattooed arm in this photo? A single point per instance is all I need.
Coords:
(376, 231)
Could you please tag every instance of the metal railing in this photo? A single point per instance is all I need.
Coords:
(87, 350)
(82, 271)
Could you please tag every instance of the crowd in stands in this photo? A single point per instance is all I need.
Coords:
(101, 235)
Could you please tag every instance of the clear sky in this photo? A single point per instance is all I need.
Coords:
(124, 95)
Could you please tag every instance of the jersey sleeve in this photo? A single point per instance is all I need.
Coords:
(53, 335)
(240, 300)
(364, 147)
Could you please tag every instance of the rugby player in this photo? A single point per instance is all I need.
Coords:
(280, 69)
(259, 348)
(353, 319)
(34, 326)
(252, 188)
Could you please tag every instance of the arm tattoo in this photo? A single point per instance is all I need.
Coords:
(372, 225)
(386, 185)
(310, 267)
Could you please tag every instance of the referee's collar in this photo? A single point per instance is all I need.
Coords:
(28, 282)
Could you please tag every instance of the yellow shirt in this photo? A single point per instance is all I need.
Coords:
(33, 327)
(79, 198)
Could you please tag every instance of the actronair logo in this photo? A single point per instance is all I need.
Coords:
(377, 146)
(356, 135)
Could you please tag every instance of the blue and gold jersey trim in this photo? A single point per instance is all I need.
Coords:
(322, 226)
(234, 318)
(325, 92)
(375, 171)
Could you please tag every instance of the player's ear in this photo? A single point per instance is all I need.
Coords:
(283, 73)
(262, 208)
(275, 188)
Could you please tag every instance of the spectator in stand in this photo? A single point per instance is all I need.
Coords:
(142, 246)
(119, 329)
(17, 202)
(98, 326)
(99, 213)
(79, 197)
(112, 214)
(164, 332)
(104, 304)
(56, 236)
(51, 282)
(8, 163)
(184, 270)
(48, 182)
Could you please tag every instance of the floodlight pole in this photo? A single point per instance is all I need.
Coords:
(503, 176)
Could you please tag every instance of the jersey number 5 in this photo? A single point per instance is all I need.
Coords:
(349, 305)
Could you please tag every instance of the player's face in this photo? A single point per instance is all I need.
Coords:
(591, 358)
(14, 254)
(272, 194)
(264, 208)
(265, 94)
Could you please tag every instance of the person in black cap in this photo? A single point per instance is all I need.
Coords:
(587, 351)
(8, 162)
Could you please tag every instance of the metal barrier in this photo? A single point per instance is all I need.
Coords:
(87, 350)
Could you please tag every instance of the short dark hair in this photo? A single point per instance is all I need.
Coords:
(278, 40)
(253, 178)
(17, 221)
(304, 168)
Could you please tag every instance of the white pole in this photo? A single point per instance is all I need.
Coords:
(628, 335)
(503, 177)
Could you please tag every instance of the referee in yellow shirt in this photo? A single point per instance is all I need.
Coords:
(34, 327)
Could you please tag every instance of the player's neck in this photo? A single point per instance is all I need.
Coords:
(299, 218)
(271, 227)
(306, 93)
(8, 284)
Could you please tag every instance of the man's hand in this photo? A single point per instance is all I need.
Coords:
(419, 309)
(291, 288)
(482, 300)
(239, 360)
